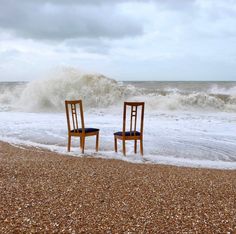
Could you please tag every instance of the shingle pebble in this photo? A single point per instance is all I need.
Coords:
(44, 192)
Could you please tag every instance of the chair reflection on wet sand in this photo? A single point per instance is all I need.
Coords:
(73, 125)
(132, 134)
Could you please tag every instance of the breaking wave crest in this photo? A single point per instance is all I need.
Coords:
(193, 101)
(98, 91)
(70, 84)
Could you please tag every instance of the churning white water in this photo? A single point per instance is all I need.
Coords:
(98, 91)
(186, 123)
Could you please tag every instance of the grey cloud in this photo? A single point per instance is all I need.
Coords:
(81, 2)
(90, 45)
(175, 5)
(8, 55)
(61, 20)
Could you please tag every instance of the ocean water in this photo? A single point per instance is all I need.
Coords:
(186, 123)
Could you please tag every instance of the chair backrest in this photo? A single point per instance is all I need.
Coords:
(72, 114)
(134, 110)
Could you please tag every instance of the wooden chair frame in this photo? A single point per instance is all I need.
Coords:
(134, 109)
(75, 131)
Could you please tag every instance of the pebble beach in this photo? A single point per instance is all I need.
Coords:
(45, 192)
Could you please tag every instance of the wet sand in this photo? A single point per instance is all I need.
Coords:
(45, 192)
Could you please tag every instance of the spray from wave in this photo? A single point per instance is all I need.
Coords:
(10, 93)
(98, 91)
(70, 84)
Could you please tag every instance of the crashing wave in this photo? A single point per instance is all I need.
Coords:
(95, 90)
(98, 91)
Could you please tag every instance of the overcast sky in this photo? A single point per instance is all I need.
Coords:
(122, 39)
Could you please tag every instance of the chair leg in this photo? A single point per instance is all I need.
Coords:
(83, 144)
(115, 142)
(124, 151)
(135, 146)
(141, 146)
(97, 141)
(69, 143)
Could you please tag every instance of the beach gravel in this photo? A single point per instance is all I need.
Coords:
(44, 192)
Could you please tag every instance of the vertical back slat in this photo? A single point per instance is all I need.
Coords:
(67, 116)
(131, 118)
(124, 119)
(136, 116)
(142, 117)
(72, 114)
(82, 116)
(76, 119)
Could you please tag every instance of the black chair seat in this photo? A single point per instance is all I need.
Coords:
(87, 130)
(132, 133)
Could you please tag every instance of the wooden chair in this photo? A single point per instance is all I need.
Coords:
(73, 126)
(132, 134)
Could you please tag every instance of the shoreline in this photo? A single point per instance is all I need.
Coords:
(43, 191)
(177, 162)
